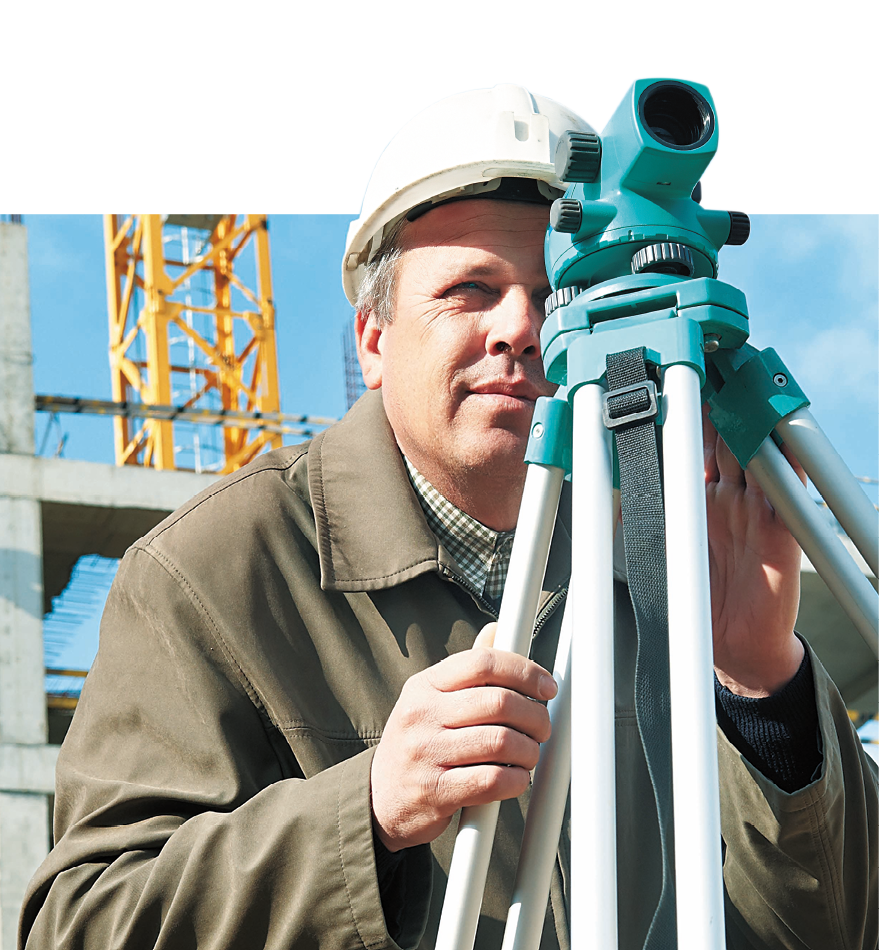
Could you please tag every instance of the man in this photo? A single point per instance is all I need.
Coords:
(273, 757)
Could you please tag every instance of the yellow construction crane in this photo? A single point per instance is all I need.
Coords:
(192, 327)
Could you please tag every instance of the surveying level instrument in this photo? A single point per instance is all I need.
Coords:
(639, 332)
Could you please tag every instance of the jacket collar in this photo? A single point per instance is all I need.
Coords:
(371, 531)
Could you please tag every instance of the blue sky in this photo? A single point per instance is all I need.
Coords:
(812, 284)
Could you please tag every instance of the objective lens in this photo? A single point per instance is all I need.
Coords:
(676, 115)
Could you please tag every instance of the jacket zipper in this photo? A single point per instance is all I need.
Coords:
(463, 582)
(545, 613)
(549, 609)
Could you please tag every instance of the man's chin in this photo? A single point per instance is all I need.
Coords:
(500, 450)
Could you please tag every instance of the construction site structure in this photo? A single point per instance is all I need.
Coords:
(192, 327)
(52, 512)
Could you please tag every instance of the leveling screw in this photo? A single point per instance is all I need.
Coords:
(712, 343)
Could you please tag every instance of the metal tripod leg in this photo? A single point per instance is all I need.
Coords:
(698, 874)
(469, 868)
(593, 898)
(589, 608)
(546, 812)
(837, 485)
(805, 522)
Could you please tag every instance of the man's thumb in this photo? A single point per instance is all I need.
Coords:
(485, 637)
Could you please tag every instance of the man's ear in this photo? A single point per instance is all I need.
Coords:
(369, 339)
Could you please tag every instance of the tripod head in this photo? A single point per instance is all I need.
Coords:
(632, 206)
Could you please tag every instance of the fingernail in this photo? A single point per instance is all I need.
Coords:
(547, 687)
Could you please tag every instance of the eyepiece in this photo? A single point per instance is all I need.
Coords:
(676, 115)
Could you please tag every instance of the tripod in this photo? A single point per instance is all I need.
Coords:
(691, 329)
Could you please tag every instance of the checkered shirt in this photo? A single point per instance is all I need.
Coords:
(482, 555)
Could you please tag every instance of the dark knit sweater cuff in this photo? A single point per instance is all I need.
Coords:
(778, 735)
(387, 864)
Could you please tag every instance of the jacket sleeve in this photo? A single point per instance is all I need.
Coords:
(800, 868)
(182, 819)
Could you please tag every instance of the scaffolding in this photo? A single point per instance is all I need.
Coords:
(192, 327)
(354, 385)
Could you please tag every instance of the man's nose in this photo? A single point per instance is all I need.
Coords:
(515, 326)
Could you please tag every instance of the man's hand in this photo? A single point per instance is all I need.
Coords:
(755, 577)
(463, 732)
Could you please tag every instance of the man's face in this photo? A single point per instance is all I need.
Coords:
(460, 366)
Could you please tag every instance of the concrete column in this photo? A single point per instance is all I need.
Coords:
(24, 823)
(22, 692)
(16, 354)
(24, 811)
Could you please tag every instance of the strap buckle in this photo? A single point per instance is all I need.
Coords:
(630, 405)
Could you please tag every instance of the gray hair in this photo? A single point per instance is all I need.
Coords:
(378, 287)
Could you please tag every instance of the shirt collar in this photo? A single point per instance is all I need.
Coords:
(482, 554)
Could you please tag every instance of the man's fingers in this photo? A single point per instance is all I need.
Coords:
(490, 667)
(485, 745)
(493, 706)
(481, 784)
(794, 462)
(728, 466)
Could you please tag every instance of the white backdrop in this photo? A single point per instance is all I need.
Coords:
(97, 95)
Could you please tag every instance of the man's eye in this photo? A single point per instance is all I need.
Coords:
(465, 285)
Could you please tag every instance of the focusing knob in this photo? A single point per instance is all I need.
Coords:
(664, 258)
(578, 156)
(566, 215)
(739, 228)
(561, 298)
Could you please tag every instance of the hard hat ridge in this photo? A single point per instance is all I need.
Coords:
(465, 146)
(528, 190)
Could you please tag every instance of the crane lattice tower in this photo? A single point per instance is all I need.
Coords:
(192, 326)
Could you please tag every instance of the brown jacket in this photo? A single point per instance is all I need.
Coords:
(213, 791)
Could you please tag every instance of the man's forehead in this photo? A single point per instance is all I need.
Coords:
(479, 222)
(491, 260)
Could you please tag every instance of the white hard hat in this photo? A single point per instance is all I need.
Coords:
(458, 147)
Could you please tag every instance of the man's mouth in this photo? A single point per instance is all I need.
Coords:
(515, 392)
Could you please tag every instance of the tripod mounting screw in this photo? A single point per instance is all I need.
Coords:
(665, 258)
(566, 215)
(578, 157)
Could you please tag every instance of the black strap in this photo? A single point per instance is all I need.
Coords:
(632, 415)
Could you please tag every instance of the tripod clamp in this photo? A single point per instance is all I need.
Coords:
(702, 323)
(669, 315)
